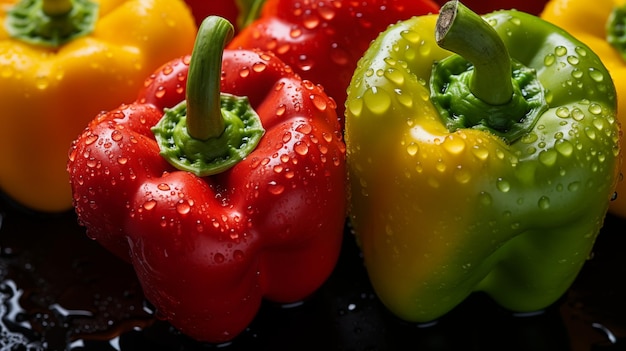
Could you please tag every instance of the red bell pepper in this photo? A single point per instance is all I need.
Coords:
(208, 243)
(323, 40)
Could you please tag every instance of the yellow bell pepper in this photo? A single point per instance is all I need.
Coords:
(61, 63)
(600, 26)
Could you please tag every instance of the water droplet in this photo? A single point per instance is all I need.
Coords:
(218, 258)
(259, 67)
(90, 139)
(42, 83)
(377, 101)
(150, 204)
(462, 176)
(544, 202)
(301, 148)
(440, 166)
(577, 114)
(595, 109)
(591, 133)
(275, 188)
(304, 63)
(549, 60)
(560, 50)
(480, 152)
(548, 157)
(244, 72)
(394, 76)
(503, 185)
(295, 32)
(122, 160)
(183, 207)
(454, 146)
(412, 149)
(310, 21)
(404, 99)
(163, 187)
(573, 60)
(238, 255)
(596, 75)
(116, 135)
(411, 36)
(562, 112)
(564, 147)
(318, 101)
(160, 92)
(304, 129)
(355, 107)
(485, 198)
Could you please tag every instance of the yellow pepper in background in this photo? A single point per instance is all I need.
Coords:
(61, 63)
(600, 25)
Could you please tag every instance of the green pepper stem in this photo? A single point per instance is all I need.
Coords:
(615, 30)
(210, 131)
(57, 7)
(204, 116)
(249, 10)
(51, 23)
(464, 32)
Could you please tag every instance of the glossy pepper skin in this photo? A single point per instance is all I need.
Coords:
(601, 29)
(49, 92)
(443, 207)
(207, 249)
(323, 40)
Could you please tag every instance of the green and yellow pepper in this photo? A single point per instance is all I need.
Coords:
(482, 156)
(61, 63)
(601, 27)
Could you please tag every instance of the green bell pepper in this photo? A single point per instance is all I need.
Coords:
(482, 155)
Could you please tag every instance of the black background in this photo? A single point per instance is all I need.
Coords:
(61, 291)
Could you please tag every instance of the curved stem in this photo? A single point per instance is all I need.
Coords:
(204, 116)
(55, 8)
(616, 31)
(464, 32)
(249, 10)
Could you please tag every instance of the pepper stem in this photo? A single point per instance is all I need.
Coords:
(51, 22)
(57, 7)
(464, 32)
(210, 131)
(616, 30)
(249, 10)
(482, 87)
(204, 116)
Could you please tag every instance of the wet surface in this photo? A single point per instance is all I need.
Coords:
(61, 291)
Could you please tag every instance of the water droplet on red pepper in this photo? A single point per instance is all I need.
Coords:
(116, 135)
(149, 205)
(160, 92)
(295, 32)
(275, 188)
(319, 102)
(183, 207)
(259, 67)
(301, 148)
(218, 258)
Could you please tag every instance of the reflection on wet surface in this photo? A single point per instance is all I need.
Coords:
(61, 291)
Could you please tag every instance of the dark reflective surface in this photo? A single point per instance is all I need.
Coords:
(61, 291)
